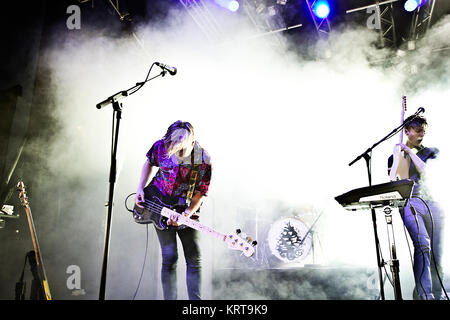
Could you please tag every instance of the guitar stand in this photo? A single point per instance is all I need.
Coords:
(37, 290)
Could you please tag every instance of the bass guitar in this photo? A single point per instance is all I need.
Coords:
(24, 199)
(158, 209)
(400, 164)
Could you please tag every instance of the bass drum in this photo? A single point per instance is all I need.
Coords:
(289, 240)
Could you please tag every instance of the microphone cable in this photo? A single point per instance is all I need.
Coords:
(146, 249)
(414, 213)
(402, 214)
(143, 265)
(432, 248)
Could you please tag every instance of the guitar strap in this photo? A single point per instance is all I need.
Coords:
(192, 180)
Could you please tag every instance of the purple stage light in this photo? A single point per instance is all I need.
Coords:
(231, 5)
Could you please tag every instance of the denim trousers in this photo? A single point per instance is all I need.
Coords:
(168, 242)
(424, 220)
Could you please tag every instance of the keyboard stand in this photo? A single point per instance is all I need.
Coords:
(394, 262)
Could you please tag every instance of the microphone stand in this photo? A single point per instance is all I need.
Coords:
(117, 112)
(367, 155)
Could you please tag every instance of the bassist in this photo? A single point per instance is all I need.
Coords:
(175, 156)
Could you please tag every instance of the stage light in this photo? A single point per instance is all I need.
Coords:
(231, 5)
(321, 9)
(411, 5)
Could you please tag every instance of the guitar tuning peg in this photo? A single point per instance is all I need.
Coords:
(254, 243)
(238, 231)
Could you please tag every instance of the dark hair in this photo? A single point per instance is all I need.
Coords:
(418, 121)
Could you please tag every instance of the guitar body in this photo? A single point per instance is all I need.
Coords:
(400, 166)
(155, 200)
(401, 161)
(157, 209)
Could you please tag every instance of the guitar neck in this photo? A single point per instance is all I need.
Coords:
(33, 233)
(402, 117)
(166, 212)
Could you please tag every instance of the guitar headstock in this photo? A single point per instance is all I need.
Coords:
(22, 194)
(404, 103)
(235, 242)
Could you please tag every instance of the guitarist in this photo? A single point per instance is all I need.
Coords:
(173, 156)
(425, 226)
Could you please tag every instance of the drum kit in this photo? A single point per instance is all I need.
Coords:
(284, 242)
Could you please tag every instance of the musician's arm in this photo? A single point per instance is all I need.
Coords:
(145, 174)
(196, 202)
(419, 163)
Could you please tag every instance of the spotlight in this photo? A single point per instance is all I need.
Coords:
(321, 9)
(231, 5)
(411, 5)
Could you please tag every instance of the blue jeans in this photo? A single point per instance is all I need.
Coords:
(426, 231)
(168, 243)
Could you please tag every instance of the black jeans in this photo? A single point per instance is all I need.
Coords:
(169, 251)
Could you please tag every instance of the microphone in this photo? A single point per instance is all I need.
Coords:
(413, 116)
(419, 111)
(171, 70)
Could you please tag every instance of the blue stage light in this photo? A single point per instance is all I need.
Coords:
(411, 5)
(321, 9)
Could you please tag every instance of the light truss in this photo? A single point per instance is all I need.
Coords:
(266, 19)
(385, 21)
(204, 19)
(124, 16)
(421, 20)
(387, 31)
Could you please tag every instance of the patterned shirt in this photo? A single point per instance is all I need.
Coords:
(172, 178)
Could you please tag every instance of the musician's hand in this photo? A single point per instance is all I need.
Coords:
(139, 197)
(173, 220)
(187, 213)
(403, 147)
(172, 223)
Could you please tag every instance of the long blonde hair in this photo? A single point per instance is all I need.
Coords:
(178, 136)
